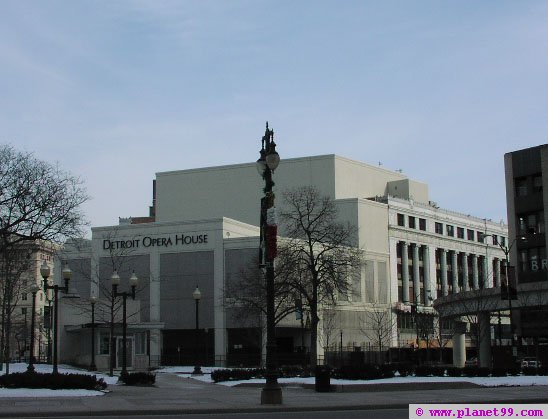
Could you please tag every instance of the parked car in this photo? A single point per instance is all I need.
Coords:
(530, 362)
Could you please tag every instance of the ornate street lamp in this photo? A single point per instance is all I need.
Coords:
(133, 281)
(92, 300)
(197, 295)
(267, 163)
(34, 289)
(67, 274)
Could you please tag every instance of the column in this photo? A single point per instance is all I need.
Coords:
(416, 274)
(459, 344)
(443, 268)
(484, 339)
(405, 272)
(465, 271)
(454, 272)
(475, 279)
(426, 279)
(485, 274)
(497, 272)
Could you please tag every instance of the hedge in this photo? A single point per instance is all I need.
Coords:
(52, 381)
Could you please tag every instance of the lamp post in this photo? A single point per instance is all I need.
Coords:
(92, 300)
(67, 274)
(49, 325)
(197, 295)
(266, 164)
(34, 289)
(133, 281)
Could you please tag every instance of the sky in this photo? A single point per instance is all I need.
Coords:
(116, 91)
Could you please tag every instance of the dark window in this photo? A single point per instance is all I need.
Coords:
(460, 232)
(531, 223)
(401, 220)
(470, 234)
(521, 187)
(495, 239)
(502, 241)
(480, 236)
(412, 222)
(450, 230)
(422, 224)
(537, 183)
(439, 228)
(104, 344)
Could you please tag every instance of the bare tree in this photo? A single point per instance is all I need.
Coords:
(319, 251)
(39, 203)
(377, 323)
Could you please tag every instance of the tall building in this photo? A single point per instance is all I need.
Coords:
(526, 174)
(205, 234)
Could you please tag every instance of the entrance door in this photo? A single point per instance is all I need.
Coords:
(120, 353)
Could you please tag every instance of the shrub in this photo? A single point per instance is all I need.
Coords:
(499, 372)
(236, 374)
(423, 371)
(438, 371)
(138, 378)
(454, 372)
(513, 370)
(405, 369)
(52, 381)
(363, 372)
(483, 372)
(470, 371)
(387, 370)
(529, 371)
(294, 371)
(542, 370)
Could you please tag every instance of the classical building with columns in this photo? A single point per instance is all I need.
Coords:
(202, 231)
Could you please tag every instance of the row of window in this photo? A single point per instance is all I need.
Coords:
(530, 223)
(528, 185)
(451, 231)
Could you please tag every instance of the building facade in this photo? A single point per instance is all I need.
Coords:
(526, 174)
(204, 233)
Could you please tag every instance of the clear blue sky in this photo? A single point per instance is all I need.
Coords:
(116, 91)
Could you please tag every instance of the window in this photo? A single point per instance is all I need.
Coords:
(537, 183)
(24, 296)
(24, 311)
(502, 241)
(140, 343)
(533, 259)
(521, 187)
(439, 228)
(104, 346)
(480, 237)
(530, 223)
(412, 222)
(470, 234)
(401, 220)
(422, 224)
(450, 230)
(460, 232)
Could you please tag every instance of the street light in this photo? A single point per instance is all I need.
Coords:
(267, 163)
(92, 366)
(67, 274)
(197, 295)
(133, 281)
(34, 289)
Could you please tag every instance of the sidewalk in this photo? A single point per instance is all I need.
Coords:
(174, 394)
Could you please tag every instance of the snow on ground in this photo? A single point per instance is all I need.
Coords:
(45, 392)
(186, 372)
(482, 381)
